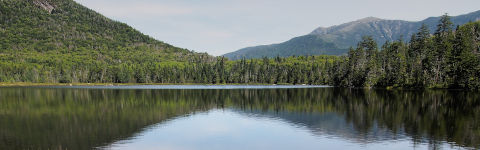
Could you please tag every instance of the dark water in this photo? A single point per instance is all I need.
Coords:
(236, 118)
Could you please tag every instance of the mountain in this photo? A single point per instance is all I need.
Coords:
(336, 40)
(64, 26)
(303, 45)
(43, 40)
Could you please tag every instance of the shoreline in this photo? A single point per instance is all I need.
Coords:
(24, 84)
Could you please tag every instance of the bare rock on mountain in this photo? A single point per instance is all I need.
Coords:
(45, 5)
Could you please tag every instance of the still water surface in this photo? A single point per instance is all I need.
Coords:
(238, 117)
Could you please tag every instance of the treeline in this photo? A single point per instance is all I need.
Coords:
(446, 59)
(200, 69)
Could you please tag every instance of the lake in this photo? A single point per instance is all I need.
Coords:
(237, 117)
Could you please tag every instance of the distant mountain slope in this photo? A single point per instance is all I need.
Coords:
(336, 40)
(303, 45)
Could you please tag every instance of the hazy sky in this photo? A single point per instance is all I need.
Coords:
(222, 26)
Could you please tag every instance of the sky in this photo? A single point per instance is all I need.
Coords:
(221, 26)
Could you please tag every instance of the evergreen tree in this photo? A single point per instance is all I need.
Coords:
(443, 45)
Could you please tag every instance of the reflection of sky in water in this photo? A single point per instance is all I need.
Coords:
(229, 129)
(302, 118)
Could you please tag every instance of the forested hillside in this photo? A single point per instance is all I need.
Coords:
(62, 41)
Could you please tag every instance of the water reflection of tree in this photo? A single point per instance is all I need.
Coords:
(433, 115)
(81, 118)
(32, 118)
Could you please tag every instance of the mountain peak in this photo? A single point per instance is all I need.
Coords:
(369, 19)
(349, 25)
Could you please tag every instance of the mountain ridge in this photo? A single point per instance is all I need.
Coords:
(346, 35)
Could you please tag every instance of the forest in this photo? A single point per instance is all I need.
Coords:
(449, 58)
